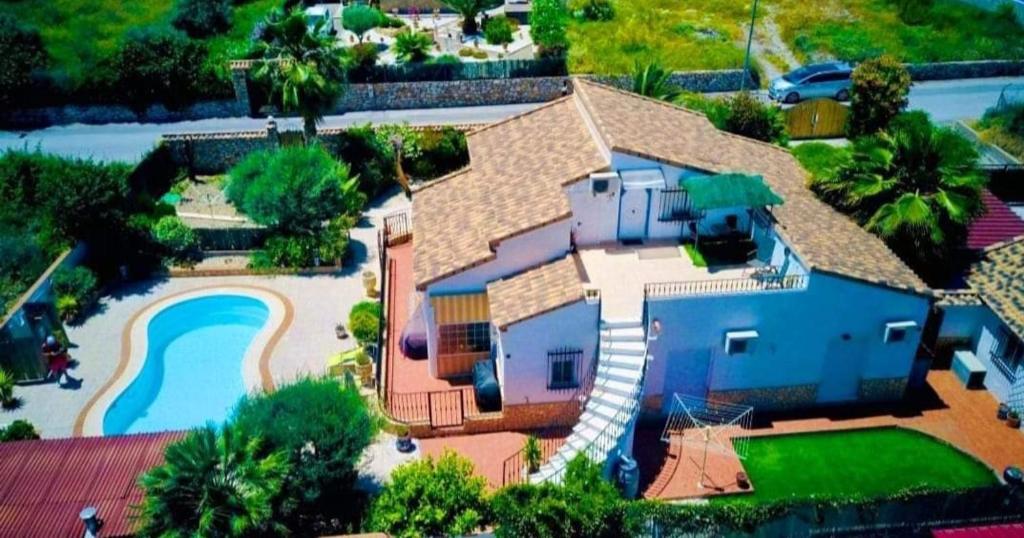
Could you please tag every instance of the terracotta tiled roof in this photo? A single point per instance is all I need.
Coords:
(47, 483)
(534, 292)
(823, 238)
(514, 184)
(999, 280)
(958, 298)
(998, 224)
(520, 166)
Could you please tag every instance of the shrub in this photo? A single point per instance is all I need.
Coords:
(179, 241)
(585, 505)
(749, 117)
(411, 46)
(468, 52)
(431, 498)
(19, 430)
(592, 10)
(362, 58)
(159, 66)
(83, 200)
(6, 389)
(323, 427)
(364, 321)
(499, 30)
(532, 455)
(21, 262)
(285, 251)
(914, 12)
(21, 54)
(444, 59)
(360, 19)
(202, 18)
(441, 151)
(547, 27)
(293, 190)
(372, 158)
(878, 93)
(75, 289)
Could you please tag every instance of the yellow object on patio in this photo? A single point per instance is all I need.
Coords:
(336, 364)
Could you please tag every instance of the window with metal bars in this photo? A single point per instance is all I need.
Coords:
(464, 338)
(564, 368)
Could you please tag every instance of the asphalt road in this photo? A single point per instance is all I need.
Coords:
(944, 100)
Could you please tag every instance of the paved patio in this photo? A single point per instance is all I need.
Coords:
(319, 303)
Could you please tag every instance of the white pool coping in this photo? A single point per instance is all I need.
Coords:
(135, 346)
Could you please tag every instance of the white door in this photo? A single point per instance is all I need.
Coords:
(844, 364)
(633, 214)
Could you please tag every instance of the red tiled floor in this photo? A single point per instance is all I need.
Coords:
(945, 409)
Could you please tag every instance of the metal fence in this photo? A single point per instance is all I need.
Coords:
(675, 206)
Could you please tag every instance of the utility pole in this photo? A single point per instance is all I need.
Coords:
(750, 40)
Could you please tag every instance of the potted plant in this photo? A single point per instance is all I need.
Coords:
(403, 442)
(364, 367)
(1002, 411)
(370, 283)
(1013, 419)
(531, 453)
(6, 389)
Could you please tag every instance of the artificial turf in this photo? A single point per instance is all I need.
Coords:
(851, 464)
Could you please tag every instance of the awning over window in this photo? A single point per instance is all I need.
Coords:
(729, 190)
(461, 309)
(646, 178)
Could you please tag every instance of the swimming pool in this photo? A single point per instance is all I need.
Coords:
(193, 368)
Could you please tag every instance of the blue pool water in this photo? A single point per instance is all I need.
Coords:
(193, 368)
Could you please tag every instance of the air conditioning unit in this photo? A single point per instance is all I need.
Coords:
(740, 342)
(896, 331)
(602, 183)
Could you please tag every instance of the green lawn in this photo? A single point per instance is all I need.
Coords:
(859, 29)
(681, 34)
(820, 159)
(852, 464)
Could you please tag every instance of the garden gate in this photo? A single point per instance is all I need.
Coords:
(817, 118)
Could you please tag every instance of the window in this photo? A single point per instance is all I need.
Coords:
(740, 342)
(897, 331)
(464, 338)
(563, 368)
(1010, 350)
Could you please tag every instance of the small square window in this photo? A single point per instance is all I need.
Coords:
(897, 331)
(740, 342)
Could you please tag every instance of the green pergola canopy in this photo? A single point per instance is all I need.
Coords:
(729, 190)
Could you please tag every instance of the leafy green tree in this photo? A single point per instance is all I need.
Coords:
(364, 321)
(323, 427)
(19, 430)
(915, 185)
(82, 199)
(654, 81)
(214, 484)
(431, 498)
(202, 18)
(751, 118)
(22, 53)
(585, 505)
(412, 47)
(548, 21)
(468, 9)
(294, 190)
(303, 68)
(360, 19)
(879, 91)
(155, 65)
(177, 238)
(499, 30)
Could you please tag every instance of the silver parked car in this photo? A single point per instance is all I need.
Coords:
(811, 81)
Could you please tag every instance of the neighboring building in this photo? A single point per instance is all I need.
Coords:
(559, 246)
(988, 318)
(997, 224)
(47, 483)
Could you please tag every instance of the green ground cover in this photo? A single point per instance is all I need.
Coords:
(820, 159)
(858, 29)
(1004, 128)
(868, 463)
(680, 34)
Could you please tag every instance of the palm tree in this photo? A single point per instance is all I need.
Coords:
(915, 185)
(412, 46)
(213, 484)
(469, 9)
(654, 81)
(303, 67)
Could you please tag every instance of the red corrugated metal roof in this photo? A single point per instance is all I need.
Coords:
(999, 223)
(44, 484)
(1015, 530)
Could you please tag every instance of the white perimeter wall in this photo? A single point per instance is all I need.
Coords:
(801, 332)
(523, 369)
(982, 327)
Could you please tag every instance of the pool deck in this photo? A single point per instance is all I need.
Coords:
(319, 302)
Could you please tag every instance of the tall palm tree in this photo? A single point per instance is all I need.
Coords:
(213, 484)
(469, 9)
(915, 185)
(304, 68)
(654, 81)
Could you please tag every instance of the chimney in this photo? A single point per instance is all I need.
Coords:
(89, 518)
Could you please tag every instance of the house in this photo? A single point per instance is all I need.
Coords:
(987, 320)
(48, 483)
(569, 252)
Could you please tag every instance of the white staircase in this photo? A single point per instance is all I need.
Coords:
(614, 401)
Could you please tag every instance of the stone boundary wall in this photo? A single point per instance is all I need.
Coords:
(770, 398)
(882, 389)
(975, 69)
(216, 153)
(99, 114)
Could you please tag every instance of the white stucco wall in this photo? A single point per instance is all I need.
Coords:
(595, 216)
(801, 337)
(524, 365)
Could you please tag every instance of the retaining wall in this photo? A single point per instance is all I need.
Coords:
(955, 70)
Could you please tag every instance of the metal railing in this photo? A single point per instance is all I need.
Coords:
(397, 228)
(724, 286)
(440, 408)
(674, 206)
(1004, 368)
